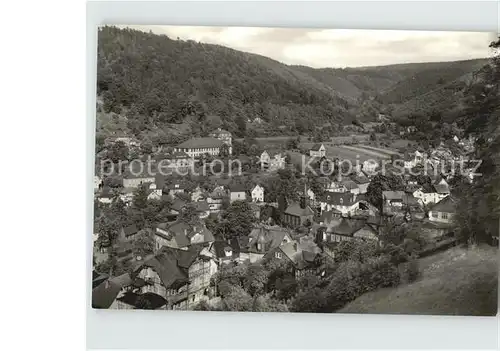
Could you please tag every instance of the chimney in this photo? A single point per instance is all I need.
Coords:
(295, 246)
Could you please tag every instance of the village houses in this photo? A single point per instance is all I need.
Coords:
(225, 137)
(444, 211)
(237, 192)
(318, 150)
(273, 163)
(263, 239)
(258, 193)
(433, 194)
(181, 277)
(298, 213)
(197, 147)
(346, 203)
(216, 198)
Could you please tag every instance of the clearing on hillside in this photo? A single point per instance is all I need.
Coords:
(455, 282)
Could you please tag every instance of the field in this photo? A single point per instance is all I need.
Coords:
(337, 147)
(281, 140)
(454, 282)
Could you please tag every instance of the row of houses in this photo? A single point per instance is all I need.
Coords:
(187, 255)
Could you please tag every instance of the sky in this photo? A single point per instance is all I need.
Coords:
(338, 47)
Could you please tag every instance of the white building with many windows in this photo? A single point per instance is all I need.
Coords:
(197, 147)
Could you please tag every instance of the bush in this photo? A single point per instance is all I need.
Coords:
(313, 300)
(411, 270)
(202, 306)
(353, 279)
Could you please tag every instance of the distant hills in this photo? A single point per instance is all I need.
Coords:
(148, 83)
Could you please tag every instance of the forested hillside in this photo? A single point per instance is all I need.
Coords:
(152, 86)
(154, 80)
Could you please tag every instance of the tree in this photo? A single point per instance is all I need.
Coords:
(355, 251)
(237, 300)
(99, 142)
(479, 204)
(312, 300)
(144, 244)
(292, 144)
(316, 187)
(146, 147)
(238, 219)
(118, 210)
(381, 183)
(108, 228)
(189, 214)
(113, 181)
(242, 126)
(256, 279)
(118, 152)
(224, 150)
(140, 197)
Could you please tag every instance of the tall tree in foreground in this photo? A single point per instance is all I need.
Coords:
(479, 205)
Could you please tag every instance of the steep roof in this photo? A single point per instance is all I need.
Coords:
(130, 298)
(200, 143)
(301, 253)
(105, 293)
(237, 188)
(130, 230)
(201, 206)
(177, 236)
(442, 188)
(268, 237)
(294, 209)
(360, 179)
(339, 199)
(393, 195)
(178, 204)
(165, 265)
(98, 278)
(257, 186)
(316, 147)
(329, 215)
(347, 227)
(448, 204)
(349, 184)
